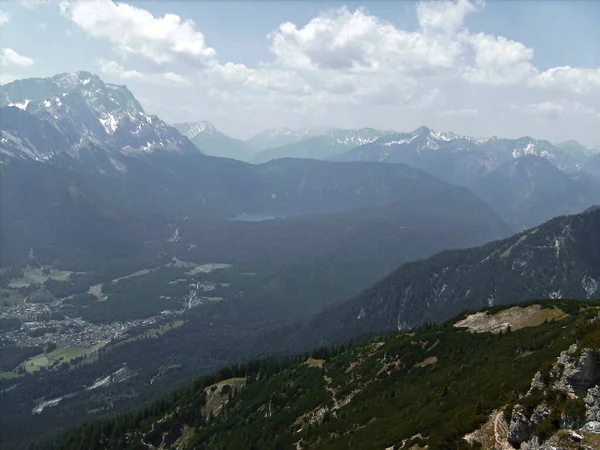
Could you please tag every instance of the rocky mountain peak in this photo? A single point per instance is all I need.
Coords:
(422, 131)
(83, 111)
(193, 129)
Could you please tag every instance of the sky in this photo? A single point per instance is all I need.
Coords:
(505, 68)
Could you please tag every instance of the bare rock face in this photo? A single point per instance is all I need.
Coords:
(533, 444)
(521, 428)
(537, 383)
(592, 404)
(576, 375)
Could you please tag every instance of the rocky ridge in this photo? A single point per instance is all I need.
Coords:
(561, 410)
(79, 114)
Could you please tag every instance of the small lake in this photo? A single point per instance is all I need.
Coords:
(259, 217)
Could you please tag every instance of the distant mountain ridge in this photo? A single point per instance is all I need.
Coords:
(488, 167)
(99, 124)
(212, 142)
(277, 137)
(327, 145)
(414, 147)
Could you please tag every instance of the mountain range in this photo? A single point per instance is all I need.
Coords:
(151, 254)
(114, 250)
(527, 181)
(331, 143)
(78, 115)
(464, 157)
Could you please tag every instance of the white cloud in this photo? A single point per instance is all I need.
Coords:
(343, 63)
(135, 31)
(460, 112)
(167, 79)
(556, 108)
(114, 68)
(344, 57)
(4, 17)
(574, 79)
(445, 17)
(357, 42)
(340, 52)
(263, 78)
(499, 60)
(344, 52)
(9, 57)
(175, 78)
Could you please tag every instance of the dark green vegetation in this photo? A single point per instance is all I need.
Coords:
(557, 259)
(203, 189)
(431, 386)
(283, 271)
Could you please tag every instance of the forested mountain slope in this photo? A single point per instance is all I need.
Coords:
(200, 189)
(277, 273)
(472, 382)
(558, 259)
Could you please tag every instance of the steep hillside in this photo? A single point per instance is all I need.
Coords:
(463, 384)
(212, 142)
(558, 259)
(56, 213)
(77, 112)
(530, 190)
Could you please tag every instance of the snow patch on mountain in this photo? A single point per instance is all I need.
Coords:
(22, 105)
(110, 123)
(202, 127)
(400, 141)
(77, 111)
